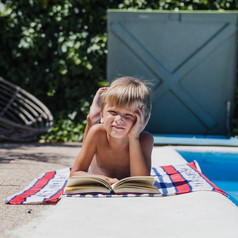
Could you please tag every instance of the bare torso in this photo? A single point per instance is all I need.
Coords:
(112, 162)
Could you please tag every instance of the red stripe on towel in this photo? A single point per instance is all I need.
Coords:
(179, 182)
(208, 181)
(55, 198)
(193, 165)
(39, 184)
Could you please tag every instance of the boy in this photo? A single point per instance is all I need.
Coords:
(117, 147)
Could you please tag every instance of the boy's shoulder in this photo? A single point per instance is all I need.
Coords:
(97, 128)
(145, 136)
(96, 133)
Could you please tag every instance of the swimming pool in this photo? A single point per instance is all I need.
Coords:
(220, 167)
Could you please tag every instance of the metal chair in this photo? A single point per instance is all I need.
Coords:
(23, 118)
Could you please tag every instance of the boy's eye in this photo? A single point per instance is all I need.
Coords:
(114, 113)
(129, 116)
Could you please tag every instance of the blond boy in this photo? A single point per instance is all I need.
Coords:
(118, 146)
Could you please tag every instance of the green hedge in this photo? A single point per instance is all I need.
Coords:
(57, 51)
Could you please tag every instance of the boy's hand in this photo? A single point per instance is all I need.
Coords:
(94, 113)
(111, 180)
(140, 123)
(108, 179)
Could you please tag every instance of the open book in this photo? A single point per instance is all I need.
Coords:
(91, 184)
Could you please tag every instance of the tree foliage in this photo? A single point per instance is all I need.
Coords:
(57, 51)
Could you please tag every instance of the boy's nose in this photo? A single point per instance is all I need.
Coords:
(119, 118)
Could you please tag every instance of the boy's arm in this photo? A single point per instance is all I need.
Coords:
(86, 154)
(93, 117)
(140, 154)
(140, 146)
(87, 128)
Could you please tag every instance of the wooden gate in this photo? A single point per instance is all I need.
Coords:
(190, 59)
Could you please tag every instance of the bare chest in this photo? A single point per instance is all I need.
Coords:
(112, 163)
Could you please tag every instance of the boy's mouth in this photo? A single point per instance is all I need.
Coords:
(118, 127)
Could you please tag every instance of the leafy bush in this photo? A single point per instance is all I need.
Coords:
(181, 5)
(64, 130)
(57, 51)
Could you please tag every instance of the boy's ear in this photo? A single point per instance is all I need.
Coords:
(101, 114)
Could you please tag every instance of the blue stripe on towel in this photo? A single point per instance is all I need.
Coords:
(161, 184)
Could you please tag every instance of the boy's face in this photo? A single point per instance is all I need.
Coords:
(118, 121)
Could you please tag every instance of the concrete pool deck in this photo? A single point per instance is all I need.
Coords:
(197, 140)
(197, 214)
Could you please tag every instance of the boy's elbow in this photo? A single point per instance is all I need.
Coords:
(147, 173)
(71, 173)
(141, 173)
(77, 173)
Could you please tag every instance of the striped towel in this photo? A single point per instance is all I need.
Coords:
(48, 188)
(170, 180)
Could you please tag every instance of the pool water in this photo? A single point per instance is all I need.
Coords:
(221, 168)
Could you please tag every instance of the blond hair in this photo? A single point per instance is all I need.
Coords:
(125, 92)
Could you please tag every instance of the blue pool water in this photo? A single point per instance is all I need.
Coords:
(220, 168)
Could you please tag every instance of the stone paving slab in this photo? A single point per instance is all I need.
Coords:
(198, 214)
(19, 165)
(210, 213)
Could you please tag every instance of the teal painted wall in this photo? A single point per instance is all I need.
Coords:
(190, 59)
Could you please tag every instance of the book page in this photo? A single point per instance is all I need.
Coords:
(135, 182)
(87, 180)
